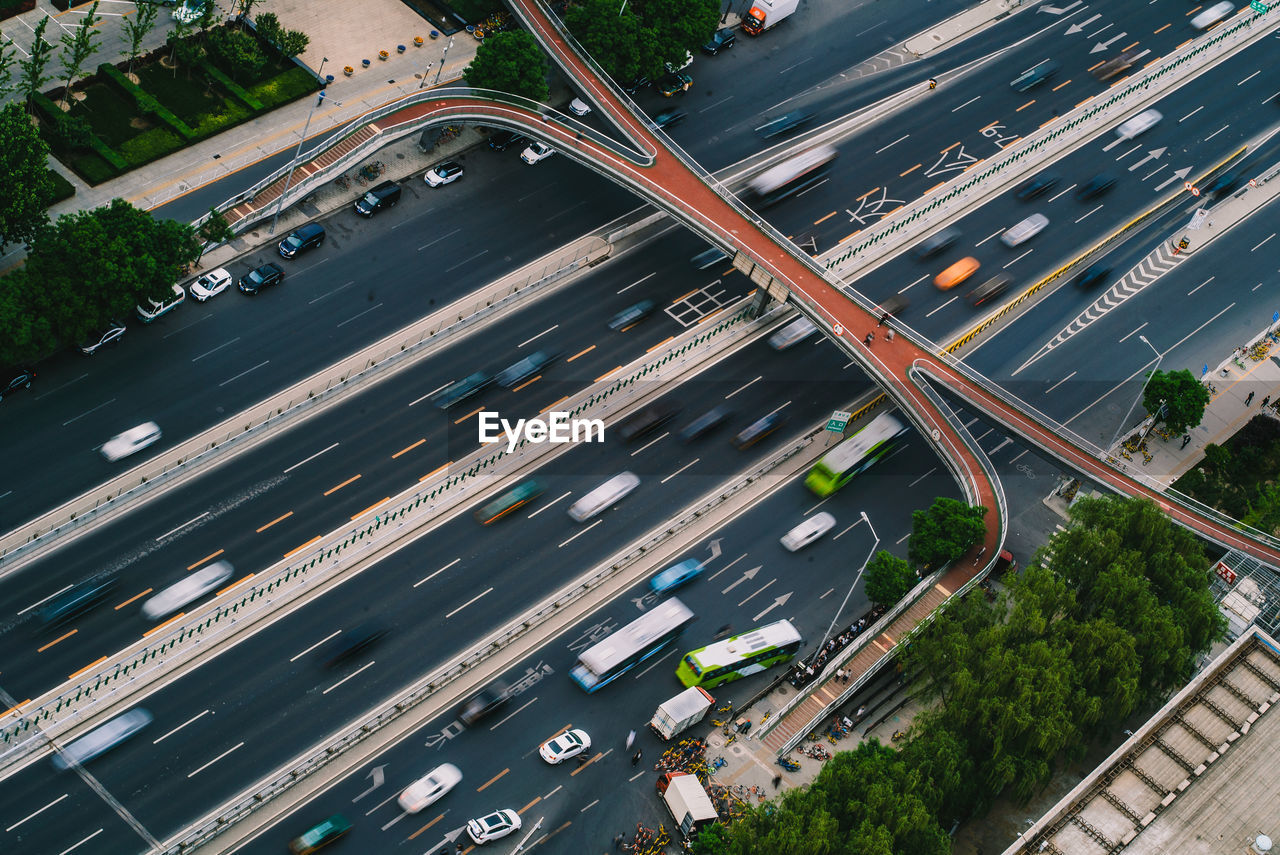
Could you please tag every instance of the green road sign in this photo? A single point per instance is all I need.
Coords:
(838, 421)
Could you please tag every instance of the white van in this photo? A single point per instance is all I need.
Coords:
(792, 334)
(187, 590)
(604, 496)
(1139, 124)
(154, 310)
(1212, 15)
(1025, 230)
(808, 531)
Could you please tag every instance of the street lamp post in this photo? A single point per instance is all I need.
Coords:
(849, 593)
(442, 59)
(423, 82)
(293, 164)
(1141, 392)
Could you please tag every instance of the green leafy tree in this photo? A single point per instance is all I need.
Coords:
(210, 16)
(1183, 396)
(77, 46)
(8, 58)
(28, 336)
(510, 62)
(239, 52)
(34, 66)
(215, 230)
(137, 28)
(293, 42)
(268, 27)
(244, 8)
(184, 48)
(889, 578)
(675, 28)
(611, 39)
(23, 156)
(944, 532)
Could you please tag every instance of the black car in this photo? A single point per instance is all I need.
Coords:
(1223, 185)
(309, 236)
(706, 423)
(667, 118)
(384, 196)
(1093, 275)
(637, 83)
(758, 430)
(1096, 186)
(632, 315)
(647, 420)
(989, 290)
(1037, 186)
(461, 389)
(721, 39)
(936, 243)
(526, 368)
(19, 378)
(785, 124)
(503, 140)
(259, 278)
(76, 602)
(484, 703)
(351, 642)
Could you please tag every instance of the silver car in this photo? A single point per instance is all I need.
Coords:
(1139, 124)
(1025, 230)
(101, 739)
(187, 590)
(131, 441)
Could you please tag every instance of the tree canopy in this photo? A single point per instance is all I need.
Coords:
(645, 35)
(510, 62)
(889, 578)
(944, 532)
(23, 173)
(1181, 394)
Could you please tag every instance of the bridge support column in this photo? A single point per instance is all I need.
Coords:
(759, 302)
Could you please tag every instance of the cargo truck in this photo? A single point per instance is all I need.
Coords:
(688, 802)
(766, 14)
(681, 712)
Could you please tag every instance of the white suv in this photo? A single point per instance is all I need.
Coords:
(536, 151)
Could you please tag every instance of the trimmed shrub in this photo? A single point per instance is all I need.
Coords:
(284, 88)
(230, 85)
(149, 145)
(147, 103)
(62, 188)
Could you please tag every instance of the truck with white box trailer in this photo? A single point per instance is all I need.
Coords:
(681, 712)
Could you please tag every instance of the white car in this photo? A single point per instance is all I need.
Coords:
(133, 440)
(445, 173)
(187, 590)
(1024, 230)
(496, 825)
(189, 12)
(808, 531)
(1139, 124)
(571, 743)
(425, 792)
(792, 334)
(579, 107)
(536, 151)
(1212, 15)
(211, 284)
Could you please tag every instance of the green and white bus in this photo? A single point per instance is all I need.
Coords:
(838, 466)
(740, 656)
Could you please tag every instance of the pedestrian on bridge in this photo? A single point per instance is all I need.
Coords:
(888, 336)
(1186, 440)
(871, 336)
(884, 319)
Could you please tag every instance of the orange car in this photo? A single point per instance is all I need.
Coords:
(956, 273)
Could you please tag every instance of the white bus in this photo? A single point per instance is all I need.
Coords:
(606, 661)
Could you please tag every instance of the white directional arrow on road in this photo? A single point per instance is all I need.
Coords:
(1177, 178)
(1078, 28)
(715, 549)
(1054, 10)
(748, 574)
(1154, 154)
(780, 601)
(379, 776)
(1101, 46)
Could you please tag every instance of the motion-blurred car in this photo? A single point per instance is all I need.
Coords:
(1093, 275)
(1213, 15)
(710, 258)
(668, 118)
(460, 390)
(524, 369)
(758, 430)
(101, 739)
(989, 290)
(445, 173)
(210, 284)
(784, 124)
(428, 790)
(536, 152)
(320, 834)
(1116, 65)
(1034, 76)
(706, 423)
(648, 419)
(187, 590)
(632, 315)
(494, 826)
(1024, 231)
(131, 441)
(1223, 185)
(808, 531)
(674, 83)
(956, 273)
(509, 502)
(1139, 124)
(1037, 186)
(936, 243)
(351, 643)
(721, 39)
(1096, 186)
(792, 334)
(571, 743)
(80, 600)
(484, 702)
(675, 576)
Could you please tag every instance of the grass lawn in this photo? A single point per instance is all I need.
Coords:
(109, 113)
(187, 99)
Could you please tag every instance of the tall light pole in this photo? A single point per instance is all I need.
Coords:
(293, 164)
(442, 59)
(849, 593)
(423, 82)
(1159, 359)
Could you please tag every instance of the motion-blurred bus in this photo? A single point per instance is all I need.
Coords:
(792, 176)
(839, 465)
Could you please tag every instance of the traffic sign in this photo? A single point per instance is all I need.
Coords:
(1191, 188)
(839, 421)
(1258, 6)
(838, 330)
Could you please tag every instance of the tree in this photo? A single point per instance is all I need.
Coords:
(612, 39)
(33, 67)
(645, 37)
(137, 28)
(184, 47)
(23, 174)
(238, 51)
(268, 27)
(7, 60)
(889, 578)
(215, 230)
(510, 62)
(293, 42)
(77, 47)
(244, 8)
(28, 336)
(944, 532)
(1183, 396)
(676, 28)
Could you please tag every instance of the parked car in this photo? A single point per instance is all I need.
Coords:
(1024, 231)
(792, 334)
(721, 39)
(351, 643)
(560, 748)
(536, 152)
(260, 277)
(936, 243)
(1139, 124)
(706, 423)
(647, 419)
(461, 389)
(380, 198)
(1037, 186)
(1093, 275)
(190, 11)
(579, 107)
(187, 590)
(514, 375)
(101, 739)
(758, 430)
(131, 441)
(668, 118)
(674, 83)
(154, 310)
(676, 576)
(808, 531)
(636, 84)
(111, 335)
(1034, 76)
(496, 825)
(210, 284)
(785, 124)
(301, 239)
(444, 173)
(320, 834)
(428, 790)
(19, 378)
(483, 703)
(503, 140)
(632, 315)
(1096, 186)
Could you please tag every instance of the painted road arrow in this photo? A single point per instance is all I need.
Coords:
(1078, 28)
(1178, 178)
(1054, 10)
(780, 601)
(749, 574)
(1154, 154)
(1101, 46)
(715, 549)
(379, 776)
